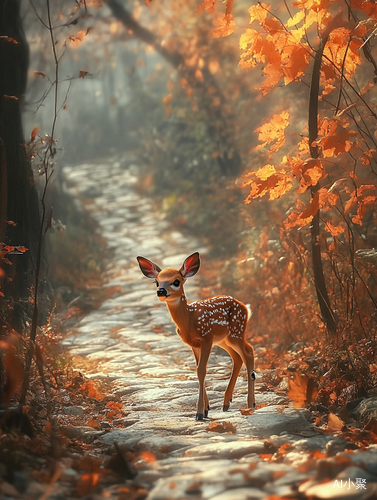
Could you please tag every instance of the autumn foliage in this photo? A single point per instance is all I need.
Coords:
(319, 154)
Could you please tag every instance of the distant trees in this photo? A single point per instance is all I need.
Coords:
(201, 82)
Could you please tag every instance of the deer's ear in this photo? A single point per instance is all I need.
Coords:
(148, 268)
(190, 266)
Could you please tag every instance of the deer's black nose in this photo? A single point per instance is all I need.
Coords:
(161, 292)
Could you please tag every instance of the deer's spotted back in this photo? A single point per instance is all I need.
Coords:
(223, 311)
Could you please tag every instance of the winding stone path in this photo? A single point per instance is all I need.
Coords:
(133, 343)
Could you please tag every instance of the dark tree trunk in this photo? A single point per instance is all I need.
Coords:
(16, 177)
(319, 278)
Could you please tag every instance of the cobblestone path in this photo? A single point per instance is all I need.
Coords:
(131, 341)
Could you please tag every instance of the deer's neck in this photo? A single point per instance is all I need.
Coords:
(179, 312)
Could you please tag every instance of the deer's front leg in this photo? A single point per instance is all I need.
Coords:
(205, 351)
(196, 351)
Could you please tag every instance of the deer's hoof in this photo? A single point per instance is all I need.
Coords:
(199, 416)
(225, 407)
(206, 412)
(254, 405)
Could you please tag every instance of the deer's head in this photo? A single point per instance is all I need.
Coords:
(170, 281)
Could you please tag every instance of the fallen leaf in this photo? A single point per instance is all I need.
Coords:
(92, 391)
(148, 457)
(262, 405)
(302, 390)
(93, 422)
(247, 411)
(335, 423)
(221, 427)
(114, 406)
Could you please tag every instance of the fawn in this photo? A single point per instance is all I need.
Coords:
(218, 320)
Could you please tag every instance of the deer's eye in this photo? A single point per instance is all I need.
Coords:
(176, 283)
(156, 283)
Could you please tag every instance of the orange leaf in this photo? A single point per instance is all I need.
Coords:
(267, 180)
(247, 411)
(335, 423)
(92, 422)
(312, 208)
(336, 138)
(295, 59)
(34, 133)
(225, 26)
(258, 12)
(208, 5)
(92, 391)
(262, 405)
(273, 131)
(10, 39)
(284, 448)
(221, 427)
(272, 26)
(252, 43)
(302, 390)
(79, 37)
(318, 454)
(148, 457)
(343, 51)
(334, 230)
(311, 172)
(273, 73)
(114, 406)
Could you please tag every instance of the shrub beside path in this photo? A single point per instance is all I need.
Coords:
(130, 341)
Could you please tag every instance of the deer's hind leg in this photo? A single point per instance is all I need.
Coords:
(237, 364)
(236, 340)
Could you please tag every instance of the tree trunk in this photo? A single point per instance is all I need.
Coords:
(17, 180)
(319, 279)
